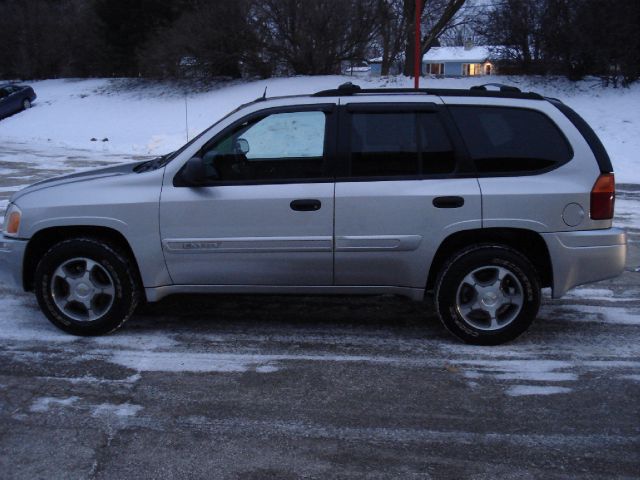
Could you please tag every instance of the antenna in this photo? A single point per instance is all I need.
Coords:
(264, 95)
(186, 117)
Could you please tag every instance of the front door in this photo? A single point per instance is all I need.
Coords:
(266, 215)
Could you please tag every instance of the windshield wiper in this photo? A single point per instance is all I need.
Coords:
(153, 164)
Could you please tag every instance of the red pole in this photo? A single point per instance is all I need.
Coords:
(417, 54)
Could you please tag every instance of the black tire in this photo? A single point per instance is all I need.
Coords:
(475, 326)
(123, 285)
(26, 104)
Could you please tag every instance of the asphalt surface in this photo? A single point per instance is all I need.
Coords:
(237, 387)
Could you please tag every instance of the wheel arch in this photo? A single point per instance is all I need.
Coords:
(529, 243)
(44, 239)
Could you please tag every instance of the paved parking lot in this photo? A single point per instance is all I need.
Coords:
(281, 387)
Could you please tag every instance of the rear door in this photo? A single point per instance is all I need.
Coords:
(405, 185)
(525, 167)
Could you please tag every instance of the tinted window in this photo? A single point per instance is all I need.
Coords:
(507, 140)
(399, 144)
(436, 150)
(277, 147)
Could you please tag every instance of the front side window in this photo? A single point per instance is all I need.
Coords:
(399, 144)
(511, 140)
(279, 146)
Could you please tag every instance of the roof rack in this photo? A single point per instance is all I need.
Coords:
(505, 91)
(500, 86)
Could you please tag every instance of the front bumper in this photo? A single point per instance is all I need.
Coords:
(12, 260)
(585, 256)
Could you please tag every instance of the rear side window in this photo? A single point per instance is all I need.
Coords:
(511, 140)
(400, 144)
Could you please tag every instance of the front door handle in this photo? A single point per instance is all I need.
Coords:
(448, 202)
(305, 205)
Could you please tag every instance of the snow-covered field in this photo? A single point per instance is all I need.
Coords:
(149, 118)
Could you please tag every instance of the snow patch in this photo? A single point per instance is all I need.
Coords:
(593, 294)
(131, 379)
(43, 404)
(598, 314)
(267, 369)
(26, 322)
(145, 361)
(538, 376)
(109, 410)
(529, 369)
(129, 340)
(517, 370)
(521, 390)
(627, 210)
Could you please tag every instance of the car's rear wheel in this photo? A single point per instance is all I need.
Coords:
(86, 287)
(26, 104)
(488, 294)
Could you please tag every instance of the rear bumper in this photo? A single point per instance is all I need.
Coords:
(585, 256)
(11, 260)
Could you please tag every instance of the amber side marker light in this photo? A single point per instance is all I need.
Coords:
(14, 223)
(603, 195)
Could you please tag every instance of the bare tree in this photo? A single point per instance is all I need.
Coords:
(211, 38)
(315, 37)
(391, 34)
(44, 39)
(514, 25)
(397, 31)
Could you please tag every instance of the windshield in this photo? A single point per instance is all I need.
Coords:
(163, 160)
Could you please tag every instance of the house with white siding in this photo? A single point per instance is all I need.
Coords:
(459, 61)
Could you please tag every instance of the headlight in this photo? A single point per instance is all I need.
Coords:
(12, 221)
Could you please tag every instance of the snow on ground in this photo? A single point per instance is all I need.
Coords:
(520, 390)
(46, 404)
(135, 117)
(566, 345)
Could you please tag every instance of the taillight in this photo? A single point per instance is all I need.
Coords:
(603, 196)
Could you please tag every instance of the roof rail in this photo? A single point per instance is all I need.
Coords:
(505, 91)
(500, 86)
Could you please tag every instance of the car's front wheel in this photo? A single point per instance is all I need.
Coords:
(86, 287)
(26, 104)
(488, 294)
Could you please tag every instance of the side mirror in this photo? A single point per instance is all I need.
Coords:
(242, 146)
(196, 172)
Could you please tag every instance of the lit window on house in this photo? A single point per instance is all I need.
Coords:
(471, 69)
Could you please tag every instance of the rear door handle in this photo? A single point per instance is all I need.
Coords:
(448, 202)
(305, 205)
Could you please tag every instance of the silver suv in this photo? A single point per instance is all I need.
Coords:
(480, 196)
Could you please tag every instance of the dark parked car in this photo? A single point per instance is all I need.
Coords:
(14, 98)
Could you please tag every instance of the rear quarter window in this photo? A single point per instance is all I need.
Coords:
(507, 140)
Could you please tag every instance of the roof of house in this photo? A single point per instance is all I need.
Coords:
(457, 54)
